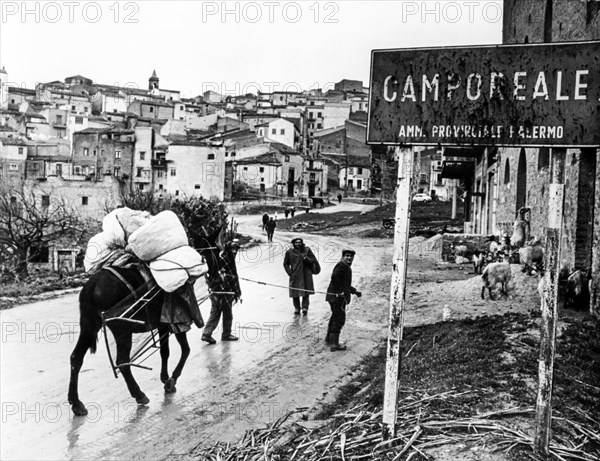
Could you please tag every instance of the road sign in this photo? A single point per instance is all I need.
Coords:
(513, 95)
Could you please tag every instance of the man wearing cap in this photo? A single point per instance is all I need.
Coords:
(338, 296)
(300, 264)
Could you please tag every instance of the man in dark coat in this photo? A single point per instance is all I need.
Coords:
(338, 296)
(224, 286)
(300, 264)
(271, 225)
(265, 220)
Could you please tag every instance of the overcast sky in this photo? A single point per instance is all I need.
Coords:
(229, 47)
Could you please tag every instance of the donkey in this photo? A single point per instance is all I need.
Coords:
(104, 290)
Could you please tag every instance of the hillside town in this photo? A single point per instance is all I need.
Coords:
(85, 136)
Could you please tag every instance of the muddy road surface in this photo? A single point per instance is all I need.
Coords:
(279, 364)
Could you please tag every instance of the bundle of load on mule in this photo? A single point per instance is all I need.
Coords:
(158, 246)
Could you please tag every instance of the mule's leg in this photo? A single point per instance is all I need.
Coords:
(185, 353)
(163, 334)
(87, 340)
(123, 341)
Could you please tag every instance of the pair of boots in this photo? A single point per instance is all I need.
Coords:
(333, 339)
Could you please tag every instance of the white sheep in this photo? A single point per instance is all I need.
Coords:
(520, 228)
(531, 256)
(493, 274)
(478, 259)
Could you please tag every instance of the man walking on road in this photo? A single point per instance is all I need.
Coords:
(265, 220)
(271, 225)
(339, 197)
(224, 292)
(300, 264)
(338, 296)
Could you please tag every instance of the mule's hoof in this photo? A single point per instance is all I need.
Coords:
(170, 386)
(143, 400)
(79, 409)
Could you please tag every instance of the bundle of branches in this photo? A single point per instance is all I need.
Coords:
(203, 219)
(356, 434)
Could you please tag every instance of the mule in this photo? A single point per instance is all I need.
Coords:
(101, 292)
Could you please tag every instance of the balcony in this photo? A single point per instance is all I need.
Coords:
(158, 163)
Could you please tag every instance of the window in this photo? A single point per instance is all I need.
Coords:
(12, 101)
(139, 172)
(84, 201)
(85, 109)
(13, 167)
(77, 169)
(94, 152)
(359, 171)
(262, 169)
(282, 131)
(20, 151)
(173, 172)
(141, 186)
(359, 184)
(273, 130)
(117, 154)
(176, 193)
(79, 120)
(287, 158)
(319, 126)
(151, 109)
(197, 186)
(72, 107)
(86, 152)
(507, 172)
(59, 119)
(211, 156)
(142, 155)
(45, 201)
(310, 115)
(160, 174)
(160, 187)
(39, 253)
(262, 187)
(319, 114)
(543, 158)
(117, 171)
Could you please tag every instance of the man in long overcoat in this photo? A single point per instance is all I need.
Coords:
(300, 264)
(338, 296)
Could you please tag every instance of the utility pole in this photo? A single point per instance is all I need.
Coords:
(345, 152)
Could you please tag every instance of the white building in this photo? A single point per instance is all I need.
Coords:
(335, 114)
(278, 130)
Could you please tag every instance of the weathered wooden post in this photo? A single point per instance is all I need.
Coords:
(543, 414)
(397, 291)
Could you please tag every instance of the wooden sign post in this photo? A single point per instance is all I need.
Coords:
(543, 413)
(397, 291)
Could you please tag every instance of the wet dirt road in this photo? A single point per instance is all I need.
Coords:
(279, 364)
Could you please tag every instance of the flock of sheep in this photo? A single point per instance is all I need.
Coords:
(494, 264)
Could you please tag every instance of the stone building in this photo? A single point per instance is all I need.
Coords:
(506, 179)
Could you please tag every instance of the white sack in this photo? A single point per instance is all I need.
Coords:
(100, 252)
(158, 236)
(120, 223)
(132, 220)
(174, 268)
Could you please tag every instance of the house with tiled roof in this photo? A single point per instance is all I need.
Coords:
(13, 154)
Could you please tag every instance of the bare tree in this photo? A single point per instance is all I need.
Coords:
(31, 218)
